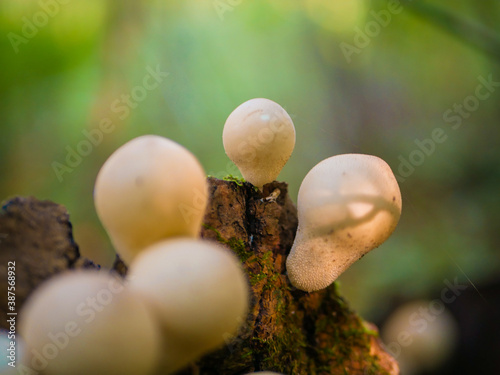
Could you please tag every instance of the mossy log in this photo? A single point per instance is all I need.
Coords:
(287, 330)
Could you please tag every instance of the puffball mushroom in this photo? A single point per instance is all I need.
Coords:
(259, 138)
(149, 189)
(87, 322)
(347, 205)
(420, 336)
(198, 291)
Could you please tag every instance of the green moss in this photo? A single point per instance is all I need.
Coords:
(370, 332)
(248, 353)
(239, 247)
(271, 280)
(236, 244)
(281, 306)
(282, 349)
(266, 271)
(209, 227)
(288, 339)
(256, 278)
(237, 180)
(349, 338)
(268, 255)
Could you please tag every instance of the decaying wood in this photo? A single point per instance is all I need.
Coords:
(37, 236)
(287, 330)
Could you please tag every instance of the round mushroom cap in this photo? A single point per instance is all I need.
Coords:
(198, 291)
(259, 138)
(88, 322)
(354, 197)
(421, 335)
(149, 189)
(347, 205)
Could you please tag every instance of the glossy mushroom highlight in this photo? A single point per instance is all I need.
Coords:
(347, 205)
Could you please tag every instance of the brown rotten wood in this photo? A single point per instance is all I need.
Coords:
(38, 237)
(287, 330)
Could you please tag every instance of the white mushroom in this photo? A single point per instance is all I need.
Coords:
(87, 322)
(421, 335)
(149, 189)
(347, 205)
(198, 291)
(259, 138)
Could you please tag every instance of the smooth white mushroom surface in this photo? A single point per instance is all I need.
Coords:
(347, 205)
(198, 291)
(259, 138)
(149, 189)
(88, 322)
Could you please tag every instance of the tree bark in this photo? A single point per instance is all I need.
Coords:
(37, 236)
(287, 330)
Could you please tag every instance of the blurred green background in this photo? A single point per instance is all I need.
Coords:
(373, 94)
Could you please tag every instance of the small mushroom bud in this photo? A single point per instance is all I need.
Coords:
(198, 291)
(259, 138)
(149, 189)
(87, 322)
(347, 205)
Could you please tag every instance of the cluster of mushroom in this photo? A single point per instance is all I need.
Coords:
(182, 297)
(347, 205)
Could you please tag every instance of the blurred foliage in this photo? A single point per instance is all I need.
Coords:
(68, 77)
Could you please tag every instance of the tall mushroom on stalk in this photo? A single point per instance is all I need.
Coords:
(151, 196)
(149, 189)
(259, 138)
(347, 205)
